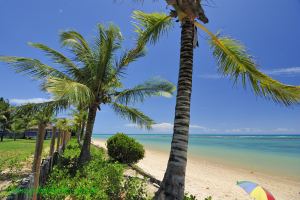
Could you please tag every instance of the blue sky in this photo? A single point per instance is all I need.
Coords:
(270, 30)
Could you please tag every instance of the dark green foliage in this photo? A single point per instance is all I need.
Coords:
(188, 196)
(124, 149)
(5, 116)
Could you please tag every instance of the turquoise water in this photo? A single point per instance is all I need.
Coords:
(272, 154)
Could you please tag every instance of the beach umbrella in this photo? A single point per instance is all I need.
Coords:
(256, 191)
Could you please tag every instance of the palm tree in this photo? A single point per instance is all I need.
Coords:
(64, 125)
(93, 77)
(80, 118)
(53, 136)
(40, 117)
(233, 61)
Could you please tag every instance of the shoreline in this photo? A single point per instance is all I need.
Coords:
(207, 178)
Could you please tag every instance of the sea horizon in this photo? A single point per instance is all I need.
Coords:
(276, 154)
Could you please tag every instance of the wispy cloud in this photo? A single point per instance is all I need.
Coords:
(26, 101)
(167, 127)
(284, 71)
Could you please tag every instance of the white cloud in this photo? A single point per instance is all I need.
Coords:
(284, 71)
(162, 127)
(26, 101)
(166, 127)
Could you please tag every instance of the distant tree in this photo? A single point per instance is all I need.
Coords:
(65, 126)
(79, 118)
(53, 122)
(18, 126)
(5, 115)
(20, 122)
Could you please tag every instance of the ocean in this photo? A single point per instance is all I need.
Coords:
(277, 155)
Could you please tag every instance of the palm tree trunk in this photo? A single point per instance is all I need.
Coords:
(58, 140)
(52, 144)
(82, 129)
(64, 140)
(81, 132)
(15, 136)
(2, 135)
(85, 150)
(173, 183)
(38, 157)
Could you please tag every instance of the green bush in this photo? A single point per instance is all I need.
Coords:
(135, 189)
(124, 149)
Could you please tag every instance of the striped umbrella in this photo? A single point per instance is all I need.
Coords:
(255, 191)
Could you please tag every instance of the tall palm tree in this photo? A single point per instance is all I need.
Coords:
(93, 77)
(233, 61)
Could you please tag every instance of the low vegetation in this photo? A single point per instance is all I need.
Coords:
(99, 179)
(124, 149)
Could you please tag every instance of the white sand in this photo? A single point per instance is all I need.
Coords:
(205, 178)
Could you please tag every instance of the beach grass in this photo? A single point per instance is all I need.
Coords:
(14, 153)
(15, 162)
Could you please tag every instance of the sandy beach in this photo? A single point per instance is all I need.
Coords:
(206, 178)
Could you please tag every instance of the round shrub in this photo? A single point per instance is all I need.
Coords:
(124, 149)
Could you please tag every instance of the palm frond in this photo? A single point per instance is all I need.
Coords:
(76, 93)
(151, 26)
(32, 67)
(153, 87)
(128, 57)
(78, 45)
(234, 61)
(133, 114)
(59, 58)
(49, 107)
(108, 41)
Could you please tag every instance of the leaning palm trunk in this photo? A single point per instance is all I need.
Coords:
(64, 138)
(52, 144)
(85, 150)
(78, 136)
(82, 130)
(173, 184)
(37, 158)
(58, 140)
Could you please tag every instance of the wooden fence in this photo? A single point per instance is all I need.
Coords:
(24, 190)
